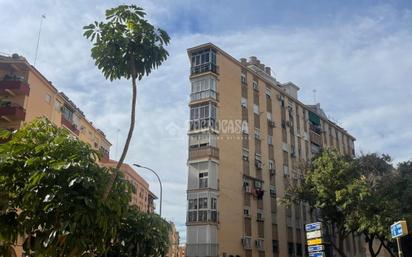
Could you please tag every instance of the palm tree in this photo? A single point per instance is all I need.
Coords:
(126, 46)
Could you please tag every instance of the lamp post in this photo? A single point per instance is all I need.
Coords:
(160, 182)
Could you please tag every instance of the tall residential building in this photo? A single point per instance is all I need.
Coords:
(248, 136)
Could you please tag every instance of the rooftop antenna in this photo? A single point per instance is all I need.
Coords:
(43, 16)
(314, 96)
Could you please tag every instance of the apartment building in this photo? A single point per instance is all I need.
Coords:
(249, 135)
(142, 198)
(25, 94)
(174, 239)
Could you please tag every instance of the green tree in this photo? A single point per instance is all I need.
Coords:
(141, 235)
(326, 179)
(126, 46)
(51, 187)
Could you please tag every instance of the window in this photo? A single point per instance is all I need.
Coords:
(260, 244)
(245, 127)
(48, 98)
(67, 113)
(271, 165)
(203, 88)
(203, 203)
(192, 204)
(255, 85)
(269, 116)
(291, 250)
(272, 191)
(203, 177)
(275, 246)
(243, 78)
(202, 139)
(213, 216)
(259, 215)
(245, 153)
(255, 108)
(270, 140)
(192, 216)
(247, 242)
(202, 216)
(213, 203)
(257, 133)
(268, 92)
(246, 185)
(203, 116)
(258, 184)
(246, 212)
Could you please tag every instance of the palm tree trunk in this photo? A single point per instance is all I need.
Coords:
(128, 139)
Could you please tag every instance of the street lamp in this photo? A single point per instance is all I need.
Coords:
(160, 182)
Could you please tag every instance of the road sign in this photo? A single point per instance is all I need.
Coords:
(316, 241)
(399, 229)
(315, 248)
(317, 254)
(313, 226)
(313, 234)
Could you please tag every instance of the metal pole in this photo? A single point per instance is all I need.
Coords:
(398, 241)
(160, 182)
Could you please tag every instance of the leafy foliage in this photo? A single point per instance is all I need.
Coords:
(141, 235)
(51, 187)
(127, 45)
(363, 195)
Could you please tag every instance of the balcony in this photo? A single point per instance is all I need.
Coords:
(204, 95)
(204, 152)
(315, 138)
(69, 124)
(205, 67)
(14, 87)
(12, 112)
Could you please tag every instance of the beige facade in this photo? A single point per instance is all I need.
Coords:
(174, 240)
(142, 198)
(248, 136)
(25, 94)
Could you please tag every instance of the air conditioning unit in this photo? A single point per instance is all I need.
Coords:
(257, 136)
(247, 188)
(244, 105)
(245, 158)
(272, 124)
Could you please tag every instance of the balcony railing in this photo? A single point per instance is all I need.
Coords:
(209, 94)
(204, 152)
(14, 87)
(315, 138)
(68, 124)
(13, 112)
(206, 67)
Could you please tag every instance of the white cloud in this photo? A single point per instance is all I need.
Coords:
(360, 66)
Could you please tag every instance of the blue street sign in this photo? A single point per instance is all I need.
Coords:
(315, 248)
(399, 229)
(313, 226)
(317, 254)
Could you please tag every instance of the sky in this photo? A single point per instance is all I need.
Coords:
(357, 55)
